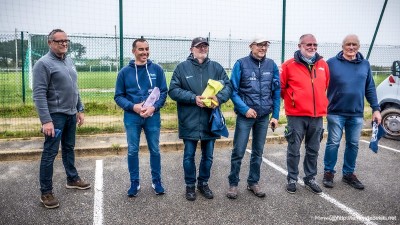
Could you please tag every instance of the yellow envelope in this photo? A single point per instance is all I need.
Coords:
(213, 87)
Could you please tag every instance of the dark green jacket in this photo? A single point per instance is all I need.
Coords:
(188, 81)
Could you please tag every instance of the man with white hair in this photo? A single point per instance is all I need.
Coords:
(351, 81)
(304, 81)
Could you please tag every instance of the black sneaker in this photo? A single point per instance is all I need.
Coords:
(328, 179)
(291, 186)
(205, 191)
(352, 180)
(190, 193)
(313, 186)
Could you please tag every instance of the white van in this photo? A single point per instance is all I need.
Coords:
(389, 100)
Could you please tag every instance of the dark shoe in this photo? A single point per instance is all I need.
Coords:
(205, 191)
(158, 188)
(328, 179)
(291, 186)
(190, 193)
(232, 192)
(49, 201)
(255, 188)
(313, 186)
(352, 180)
(78, 184)
(134, 190)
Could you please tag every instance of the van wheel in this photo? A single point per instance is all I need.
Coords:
(391, 123)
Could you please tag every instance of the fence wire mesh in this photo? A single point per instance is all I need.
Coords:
(169, 28)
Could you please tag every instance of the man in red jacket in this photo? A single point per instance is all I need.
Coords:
(304, 81)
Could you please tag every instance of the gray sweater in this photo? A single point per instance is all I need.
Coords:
(55, 87)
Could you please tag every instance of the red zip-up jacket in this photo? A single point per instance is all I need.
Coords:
(304, 90)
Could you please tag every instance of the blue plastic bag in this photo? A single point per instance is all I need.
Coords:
(377, 133)
(217, 121)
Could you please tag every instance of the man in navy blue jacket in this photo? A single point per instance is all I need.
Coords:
(351, 80)
(134, 84)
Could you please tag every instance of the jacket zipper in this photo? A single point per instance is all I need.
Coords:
(312, 85)
(259, 81)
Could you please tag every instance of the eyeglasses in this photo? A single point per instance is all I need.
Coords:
(60, 42)
(310, 44)
(260, 45)
(201, 46)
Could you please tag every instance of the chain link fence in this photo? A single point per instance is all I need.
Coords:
(169, 27)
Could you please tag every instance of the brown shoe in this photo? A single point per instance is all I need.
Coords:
(256, 190)
(49, 201)
(78, 184)
(232, 192)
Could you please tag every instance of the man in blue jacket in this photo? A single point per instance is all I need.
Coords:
(256, 94)
(58, 103)
(135, 82)
(351, 80)
(187, 85)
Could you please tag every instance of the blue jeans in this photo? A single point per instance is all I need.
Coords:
(189, 166)
(134, 124)
(240, 140)
(352, 126)
(67, 125)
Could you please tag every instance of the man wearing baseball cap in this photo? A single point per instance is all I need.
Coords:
(256, 95)
(187, 85)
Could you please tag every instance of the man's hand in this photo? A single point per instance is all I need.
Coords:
(376, 116)
(273, 123)
(251, 113)
(48, 129)
(137, 108)
(200, 103)
(80, 118)
(214, 101)
(147, 111)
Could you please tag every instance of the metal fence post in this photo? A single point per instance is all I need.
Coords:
(23, 67)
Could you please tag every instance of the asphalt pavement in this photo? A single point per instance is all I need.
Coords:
(106, 202)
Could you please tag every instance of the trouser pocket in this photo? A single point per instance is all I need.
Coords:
(321, 135)
(289, 134)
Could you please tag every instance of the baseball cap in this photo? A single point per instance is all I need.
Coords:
(259, 39)
(198, 41)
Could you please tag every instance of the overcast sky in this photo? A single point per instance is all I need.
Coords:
(329, 20)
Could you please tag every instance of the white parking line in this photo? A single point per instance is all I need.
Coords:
(382, 146)
(341, 206)
(98, 194)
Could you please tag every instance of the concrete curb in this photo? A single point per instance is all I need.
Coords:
(118, 150)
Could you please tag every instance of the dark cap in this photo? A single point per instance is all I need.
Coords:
(198, 41)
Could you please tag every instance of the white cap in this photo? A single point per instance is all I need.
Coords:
(259, 39)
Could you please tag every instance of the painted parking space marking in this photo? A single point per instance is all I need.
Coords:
(328, 198)
(382, 146)
(98, 194)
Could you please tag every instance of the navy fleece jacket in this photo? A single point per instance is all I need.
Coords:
(135, 83)
(350, 82)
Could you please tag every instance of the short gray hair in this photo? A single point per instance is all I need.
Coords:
(349, 36)
(51, 34)
(305, 35)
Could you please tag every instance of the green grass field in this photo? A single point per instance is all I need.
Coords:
(97, 93)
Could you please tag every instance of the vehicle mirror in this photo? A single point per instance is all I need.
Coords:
(396, 68)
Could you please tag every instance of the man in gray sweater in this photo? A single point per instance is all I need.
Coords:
(57, 101)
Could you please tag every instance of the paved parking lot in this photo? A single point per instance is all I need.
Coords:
(106, 202)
